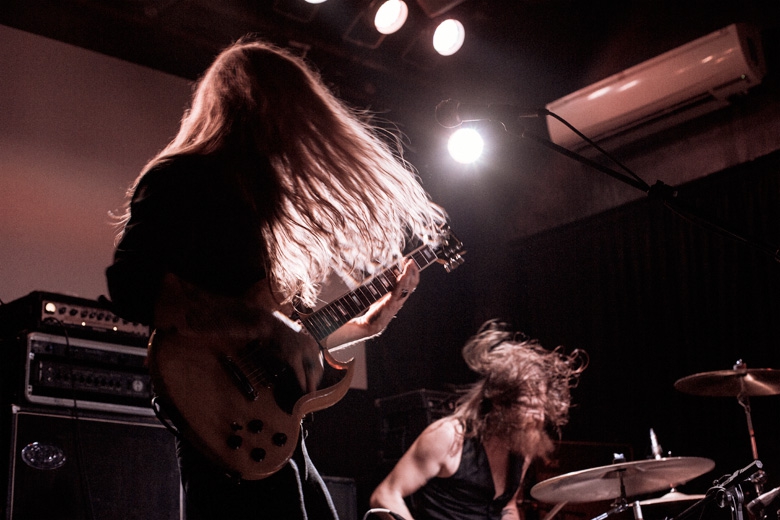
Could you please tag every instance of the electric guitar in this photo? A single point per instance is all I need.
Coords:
(242, 406)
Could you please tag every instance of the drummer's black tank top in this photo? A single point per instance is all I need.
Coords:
(468, 494)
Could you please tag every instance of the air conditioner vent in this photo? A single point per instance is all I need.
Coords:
(686, 82)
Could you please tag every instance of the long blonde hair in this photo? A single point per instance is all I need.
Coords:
(346, 199)
(512, 366)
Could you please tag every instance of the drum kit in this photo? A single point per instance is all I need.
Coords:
(625, 483)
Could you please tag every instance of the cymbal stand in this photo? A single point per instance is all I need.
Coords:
(744, 402)
(734, 498)
(620, 504)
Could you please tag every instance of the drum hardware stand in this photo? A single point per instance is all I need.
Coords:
(620, 504)
(728, 491)
(744, 402)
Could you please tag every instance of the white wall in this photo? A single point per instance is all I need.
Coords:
(76, 127)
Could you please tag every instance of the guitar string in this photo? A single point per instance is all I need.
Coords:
(325, 321)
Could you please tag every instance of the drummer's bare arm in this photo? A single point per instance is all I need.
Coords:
(435, 453)
(511, 511)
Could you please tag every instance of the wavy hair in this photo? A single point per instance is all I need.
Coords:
(511, 366)
(346, 199)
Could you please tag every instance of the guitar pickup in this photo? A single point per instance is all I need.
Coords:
(239, 378)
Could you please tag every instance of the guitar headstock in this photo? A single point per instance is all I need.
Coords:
(450, 250)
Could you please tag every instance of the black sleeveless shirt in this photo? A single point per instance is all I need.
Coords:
(469, 493)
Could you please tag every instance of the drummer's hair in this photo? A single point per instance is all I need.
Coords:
(511, 366)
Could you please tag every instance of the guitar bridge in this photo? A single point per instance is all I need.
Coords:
(239, 378)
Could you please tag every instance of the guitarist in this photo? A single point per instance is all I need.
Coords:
(270, 186)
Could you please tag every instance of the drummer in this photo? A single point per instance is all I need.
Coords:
(474, 463)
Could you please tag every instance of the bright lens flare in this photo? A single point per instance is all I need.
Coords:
(448, 37)
(391, 16)
(465, 145)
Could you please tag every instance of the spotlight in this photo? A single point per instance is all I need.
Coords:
(449, 37)
(465, 145)
(365, 27)
(391, 16)
(314, 1)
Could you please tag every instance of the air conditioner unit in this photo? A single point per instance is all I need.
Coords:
(676, 86)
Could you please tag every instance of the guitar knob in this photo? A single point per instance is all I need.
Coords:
(235, 441)
(257, 454)
(255, 426)
(279, 439)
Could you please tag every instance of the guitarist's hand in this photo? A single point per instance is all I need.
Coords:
(378, 316)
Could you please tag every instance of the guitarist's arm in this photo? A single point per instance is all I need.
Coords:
(379, 314)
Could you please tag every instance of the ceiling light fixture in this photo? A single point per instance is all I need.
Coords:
(391, 16)
(449, 37)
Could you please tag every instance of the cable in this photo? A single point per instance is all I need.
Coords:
(599, 148)
(86, 493)
(659, 190)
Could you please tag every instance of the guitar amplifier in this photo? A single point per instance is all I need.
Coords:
(404, 416)
(69, 372)
(69, 315)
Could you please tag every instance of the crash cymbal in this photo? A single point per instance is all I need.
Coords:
(603, 483)
(670, 498)
(732, 383)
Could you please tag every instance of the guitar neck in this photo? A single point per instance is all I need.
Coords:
(326, 320)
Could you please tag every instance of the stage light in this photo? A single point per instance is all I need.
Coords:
(465, 145)
(449, 37)
(391, 16)
(314, 1)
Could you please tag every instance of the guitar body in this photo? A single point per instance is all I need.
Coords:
(217, 370)
(204, 384)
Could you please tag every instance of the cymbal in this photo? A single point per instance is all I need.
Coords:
(603, 483)
(732, 383)
(671, 497)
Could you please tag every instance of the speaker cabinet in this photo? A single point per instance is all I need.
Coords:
(403, 417)
(343, 492)
(90, 467)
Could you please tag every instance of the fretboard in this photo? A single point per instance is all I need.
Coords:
(326, 320)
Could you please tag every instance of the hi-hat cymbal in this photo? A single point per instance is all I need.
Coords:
(673, 496)
(732, 383)
(603, 483)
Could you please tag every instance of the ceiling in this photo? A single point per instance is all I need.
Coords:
(517, 51)
(523, 52)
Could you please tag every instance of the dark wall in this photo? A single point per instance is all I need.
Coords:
(654, 297)
(651, 296)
